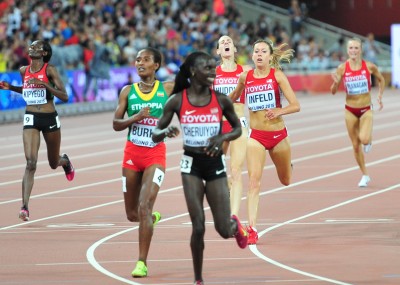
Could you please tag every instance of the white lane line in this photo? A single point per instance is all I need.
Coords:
(255, 250)
(80, 210)
(172, 153)
(92, 260)
(79, 170)
(358, 221)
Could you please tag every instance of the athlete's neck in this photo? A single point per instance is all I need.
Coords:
(228, 65)
(262, 72)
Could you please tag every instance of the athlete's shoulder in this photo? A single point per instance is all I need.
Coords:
(168, 86)
(125, 90)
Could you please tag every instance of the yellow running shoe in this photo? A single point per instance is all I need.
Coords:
(140, 270)
(156, 217)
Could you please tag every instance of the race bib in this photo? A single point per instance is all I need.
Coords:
(186, 163)
(34, 96)
(28, 120)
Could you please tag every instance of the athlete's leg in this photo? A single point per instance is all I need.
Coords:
(256, 155)
(281, 157)
(237, 159)
(194, 194)
(218, 199)
(131, 184)
(53, 143)
(353, 129)
(152, 178)
(31, 139)
(366, 122)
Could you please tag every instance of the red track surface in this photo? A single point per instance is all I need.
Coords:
(322, 229)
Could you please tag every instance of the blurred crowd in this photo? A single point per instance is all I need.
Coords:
(95, 34)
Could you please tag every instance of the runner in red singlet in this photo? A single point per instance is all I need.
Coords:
(264, 87)
(200, 110)
(226, 79)
(356, 74)
(41, 82)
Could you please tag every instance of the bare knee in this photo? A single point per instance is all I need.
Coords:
(224, 231)
(236, 174)
(356, 149)
(254, 183)
(132, 216)
(53, 164)
(144, 210)
(285, 180)
(198, 230)
(56, 162)
(31, 165)
(364, 140)
(285, 176)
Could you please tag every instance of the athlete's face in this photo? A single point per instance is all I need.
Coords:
(36, 50)
(261, 54)
(145, 64)
(354, 49)
(204, 71)
(226, 47)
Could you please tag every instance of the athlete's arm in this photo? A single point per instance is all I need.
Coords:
(162, 130)
(7, 86)
(293, 104)
(119, 122)
(381, 82)
(229, 113)
(235, 94)
(59, 89)
(337, 77)
(215, 143)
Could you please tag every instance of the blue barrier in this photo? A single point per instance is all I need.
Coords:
(107, 90)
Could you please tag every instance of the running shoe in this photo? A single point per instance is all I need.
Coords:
(156, 217)
(198, 282)
(140, 270)
(253, 235)
(365, 179)
(367, 147)
(68, 168)
(24, 214)
(241, 234)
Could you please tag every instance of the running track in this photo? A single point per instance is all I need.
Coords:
(322, 229)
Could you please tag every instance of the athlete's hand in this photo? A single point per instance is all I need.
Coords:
(380, 102)
(144, 113)
(271, 114)
(4, 85)
(214, 147)
(171, 132)
(335, 77)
